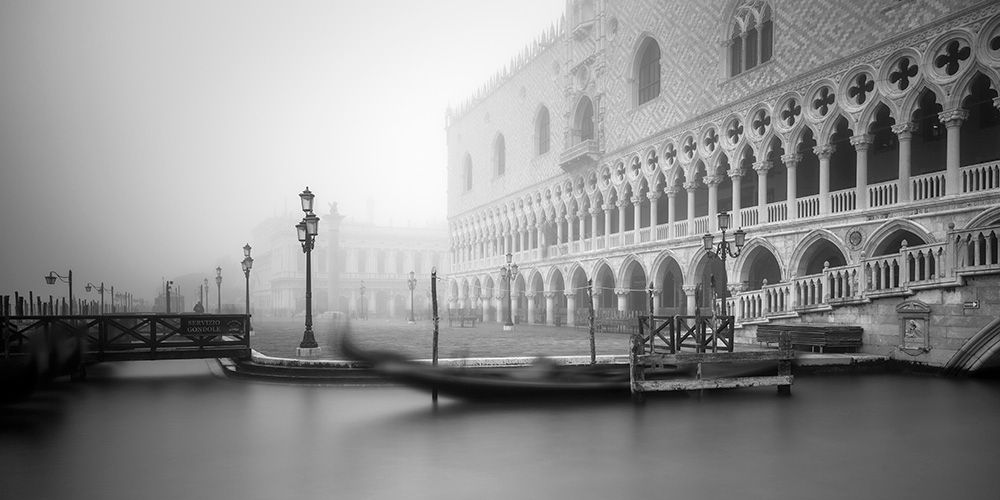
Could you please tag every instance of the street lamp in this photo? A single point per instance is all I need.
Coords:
(724, 249)
(218, 288)
(412, 282)
(169, 283)
(90, 286)
(508, 272)
(307, 231)
(364, 314)
(53, 276)
(205, 302)
(247, 264)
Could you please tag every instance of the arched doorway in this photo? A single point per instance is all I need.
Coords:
(558, 287)
(604, 288)
(578, 285)
(635, 276)
(672, 299)
(710, 285)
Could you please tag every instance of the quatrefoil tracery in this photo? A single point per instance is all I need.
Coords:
(952, 57)
(824, 100)
(903, 73)
(791, 112)
(861, 88)
(761, 122)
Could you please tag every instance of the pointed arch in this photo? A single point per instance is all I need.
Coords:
(816, 245)
(749, 264)
(881, 235)
(646, 69)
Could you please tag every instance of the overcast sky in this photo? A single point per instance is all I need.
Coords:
(145, 139)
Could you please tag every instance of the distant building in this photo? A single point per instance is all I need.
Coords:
(348, 254)
(857, 142)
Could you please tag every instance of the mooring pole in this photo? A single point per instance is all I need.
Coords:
(590, 312)
(434, 311)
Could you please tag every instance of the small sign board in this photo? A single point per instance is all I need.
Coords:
(212, 325)
(970, 304)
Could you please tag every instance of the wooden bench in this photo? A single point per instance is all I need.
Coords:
(822, 337)
(463, 316)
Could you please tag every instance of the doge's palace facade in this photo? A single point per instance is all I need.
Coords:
(855, 142)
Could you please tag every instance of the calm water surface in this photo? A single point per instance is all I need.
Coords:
(176, 430)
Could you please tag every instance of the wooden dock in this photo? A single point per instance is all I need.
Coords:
(661, 341)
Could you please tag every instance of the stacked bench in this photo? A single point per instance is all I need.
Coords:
(821, 337)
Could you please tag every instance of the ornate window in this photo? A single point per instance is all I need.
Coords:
(648, 72)
(542, 131)
(751, 39)
(467, 172)
(499, 155)
(583, 123)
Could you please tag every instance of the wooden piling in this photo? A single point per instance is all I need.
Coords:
(590, 317)
(434, 311)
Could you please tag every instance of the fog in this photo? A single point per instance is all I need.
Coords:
(145, 139)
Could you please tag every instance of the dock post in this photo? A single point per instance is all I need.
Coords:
(635, 372)
(785, 363)
(590, 317)
(434, 310)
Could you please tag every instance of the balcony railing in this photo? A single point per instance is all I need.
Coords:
(777, 211)
(680, 228)
(808, 206)
(927, 186)
(701, 224)
(749, 216)
(883, 194)
(981, 177)
(843, 200)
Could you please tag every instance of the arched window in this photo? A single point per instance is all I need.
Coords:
(648, 75)
(499, 155)
(583, 121)
(542, 131)
(751, 39)
(467, 172)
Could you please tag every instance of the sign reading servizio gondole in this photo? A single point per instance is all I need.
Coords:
(215, 325)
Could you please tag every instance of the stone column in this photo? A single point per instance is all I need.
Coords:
(499, 304)
(550, 308)
(736, 175)
(654, 199)
(621, 216)
(689, 292)
(824, 152)
(671, 192)
(559, 230)
(607, 225)
(621, 294)
(593, 221)
(486, 307)
(904, 132)
(636, 215)
(862, 143)
(656, 300)
(952, 120)
(569, 227)
(761, 167)
(712, 181)
(570, 309)
(791, 162)
(691, 188)
(581, 220)
(530, 296)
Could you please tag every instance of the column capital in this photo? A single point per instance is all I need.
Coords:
(636, 200)
(550, 295)
(824, 151)
(904, 131)
(689, 289)
(583, 213)
(953, 117)
(653, 195)
(568, 216)
(691, 186)
(656, 293)
(595, 211)
(529, 294)
(791, 160)
(735, 173)
(670, 191)
(622, 203)
(861, 142)
(608, 207)
(712, 180)
(762, 166)
(621, 291)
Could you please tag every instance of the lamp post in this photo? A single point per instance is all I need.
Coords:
(508, 272)
(205, 303)
(218, 288)
(91, 286)
(412, 282)
(53, 276)
(307, 231)
(247, 264)
(169, 283)
(362, 309)
(724, 249)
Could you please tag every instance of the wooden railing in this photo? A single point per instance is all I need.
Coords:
(139, 336)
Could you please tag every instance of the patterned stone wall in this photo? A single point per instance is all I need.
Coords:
(812, 41)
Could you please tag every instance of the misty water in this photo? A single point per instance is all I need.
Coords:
(182, 430)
